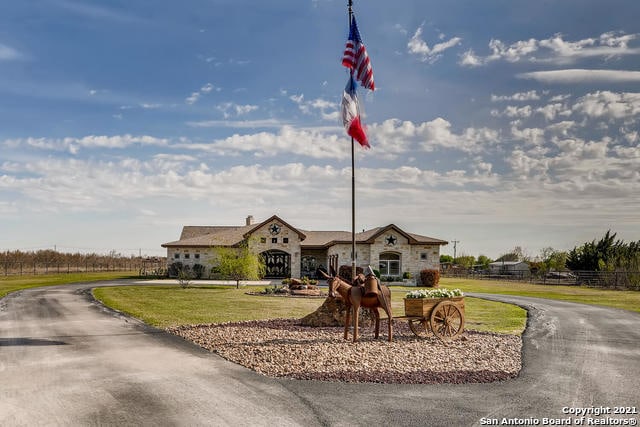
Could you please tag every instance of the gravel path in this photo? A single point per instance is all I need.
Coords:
(282, 348)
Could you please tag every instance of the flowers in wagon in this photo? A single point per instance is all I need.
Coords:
(435, 293)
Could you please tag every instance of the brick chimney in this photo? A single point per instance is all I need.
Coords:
(250, 220)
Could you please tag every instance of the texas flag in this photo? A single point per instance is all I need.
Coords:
(351, 114)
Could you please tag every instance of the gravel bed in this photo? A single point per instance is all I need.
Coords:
(283, 348)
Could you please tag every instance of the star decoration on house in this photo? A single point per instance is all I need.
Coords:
(274, 229)
(391, 240)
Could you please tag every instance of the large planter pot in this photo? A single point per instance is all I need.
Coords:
(422, 307)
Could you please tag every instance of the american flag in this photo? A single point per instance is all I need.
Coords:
(356, 58)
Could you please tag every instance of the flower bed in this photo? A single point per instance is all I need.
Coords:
(435, 293)
(421, 302)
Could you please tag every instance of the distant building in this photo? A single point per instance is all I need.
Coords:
(292, 252)
(509, 267)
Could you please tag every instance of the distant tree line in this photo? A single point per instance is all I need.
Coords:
(50, 261)
(48, 256)
(607, 254)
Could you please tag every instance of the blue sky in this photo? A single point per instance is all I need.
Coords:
(495, 123)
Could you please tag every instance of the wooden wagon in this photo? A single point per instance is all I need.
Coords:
(444, 317)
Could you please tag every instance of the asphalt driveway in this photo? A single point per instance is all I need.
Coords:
(66, 360)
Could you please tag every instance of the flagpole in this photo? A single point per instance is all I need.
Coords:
(353, 186)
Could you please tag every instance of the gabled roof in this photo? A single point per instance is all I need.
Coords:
(208, 236)
(275, 218)
(324, 239)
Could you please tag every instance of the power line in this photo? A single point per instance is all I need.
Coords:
(455, 244)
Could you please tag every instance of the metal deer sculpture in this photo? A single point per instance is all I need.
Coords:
(372, 296)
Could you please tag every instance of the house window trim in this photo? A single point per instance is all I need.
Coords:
(390, 266)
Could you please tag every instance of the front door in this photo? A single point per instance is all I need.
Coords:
(277, 263)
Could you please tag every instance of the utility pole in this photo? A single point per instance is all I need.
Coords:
(455, 244)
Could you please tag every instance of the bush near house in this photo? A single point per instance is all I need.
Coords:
(345, 272)
(198, 271)
(429, 278)
(174, 269)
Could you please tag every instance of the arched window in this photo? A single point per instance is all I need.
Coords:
(389, 264)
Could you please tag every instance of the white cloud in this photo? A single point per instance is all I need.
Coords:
(417, 46)
(313, 143)
(531, 95)
(437, 133)
(609, 105)
(238, 124)
(73, 145)
(555, 49)
(470, 59)
(195, 96)
(513, 111)
(230, 109)
(582, 76)
(327, 110)
(531, 136)
(551, 111)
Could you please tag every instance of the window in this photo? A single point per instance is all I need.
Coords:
(176, 256)
(423, 256)
(186, 256)
(197, 256)
(274, 240)
(389, 264)
(285, 240)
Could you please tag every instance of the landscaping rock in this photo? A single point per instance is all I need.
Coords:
(284, 348)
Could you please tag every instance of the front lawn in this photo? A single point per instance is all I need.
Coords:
(627, 300)
(164, 306)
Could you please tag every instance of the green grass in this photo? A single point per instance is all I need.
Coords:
(15, 283)
(170, 305)
(164, 306)
(627, 300)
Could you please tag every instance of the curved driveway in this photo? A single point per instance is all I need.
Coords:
(66, 360)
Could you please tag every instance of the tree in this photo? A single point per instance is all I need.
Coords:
(446, 258)
(607, 254)
(239, 263)
(553, 259)
(484, 261)
(465, 261)
(516, 254)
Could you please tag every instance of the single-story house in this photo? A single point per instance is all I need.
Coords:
(292, 252)
(509, 267)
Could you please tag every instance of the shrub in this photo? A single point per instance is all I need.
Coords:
(345, 272)
(429, 278)
(406, 275)
(174, 269)
(185, 274)
(198, 271)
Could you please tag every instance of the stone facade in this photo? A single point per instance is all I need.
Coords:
(291, 252)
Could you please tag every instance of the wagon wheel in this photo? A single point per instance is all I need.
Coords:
(420, 327)
(447, 320)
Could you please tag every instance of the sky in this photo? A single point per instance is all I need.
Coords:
(495, 123)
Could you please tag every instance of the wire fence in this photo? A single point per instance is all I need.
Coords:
(145, 268)
(621, 280)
